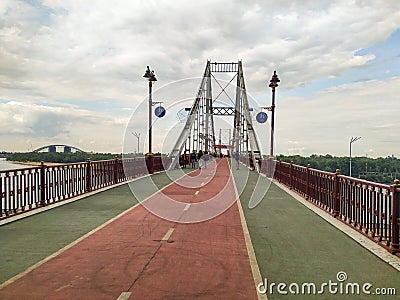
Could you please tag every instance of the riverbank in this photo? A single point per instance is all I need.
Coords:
(6, 165)
(34, 163)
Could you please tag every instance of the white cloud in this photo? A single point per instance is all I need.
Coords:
(89, 51)
(325, 122)
(25, 124)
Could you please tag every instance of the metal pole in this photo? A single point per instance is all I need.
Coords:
(273, 84)
(150, 117)
(149, 157)
(220, 141)
(350, 159)
(137, 135)
(352, 140)
(271, 151)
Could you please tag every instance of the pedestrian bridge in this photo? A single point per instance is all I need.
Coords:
(107, 246)
(145, 228)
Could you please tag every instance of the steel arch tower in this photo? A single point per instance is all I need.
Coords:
(198, 132)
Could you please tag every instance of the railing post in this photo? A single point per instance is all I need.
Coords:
(150, 163)
(88, 175)
(308, 182)
(336, 198)
(270, 167)
(278, 174)
(116, 170)
(394, 245)
(43, 184)
(291, 175)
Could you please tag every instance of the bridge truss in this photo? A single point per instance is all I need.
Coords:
(53, 148)
(198, 132)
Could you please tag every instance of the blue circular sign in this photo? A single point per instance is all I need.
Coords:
(262, 117)
(160, 112)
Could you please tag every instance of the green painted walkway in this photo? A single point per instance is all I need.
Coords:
(292, 244)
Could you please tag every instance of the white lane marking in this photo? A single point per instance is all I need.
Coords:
(203, 183)
(255, 270)
(124, 296)
(197, 192)
(167, 235)
(187, 207)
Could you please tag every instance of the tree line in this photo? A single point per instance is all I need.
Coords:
(65, 158)
(382, 170)
(59, 157)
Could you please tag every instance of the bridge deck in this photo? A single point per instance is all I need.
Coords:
(202, 260)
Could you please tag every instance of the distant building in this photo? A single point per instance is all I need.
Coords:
(52, 149)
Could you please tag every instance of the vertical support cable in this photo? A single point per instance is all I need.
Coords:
(208, 114)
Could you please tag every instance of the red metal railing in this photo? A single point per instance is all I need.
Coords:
(26, 189)
(19, 190)
(371, 208)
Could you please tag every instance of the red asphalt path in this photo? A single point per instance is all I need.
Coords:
(203, 260)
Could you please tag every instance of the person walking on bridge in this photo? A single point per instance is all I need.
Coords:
(193, 159)
(185, 159)
(205, 157)
(199, 158)
(236, 158)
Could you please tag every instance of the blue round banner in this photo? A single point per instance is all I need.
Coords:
(262, 117)
(160, 112)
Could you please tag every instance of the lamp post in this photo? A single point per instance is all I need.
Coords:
(352, 140)
(151, 77)
(137, 135)
(273, 84)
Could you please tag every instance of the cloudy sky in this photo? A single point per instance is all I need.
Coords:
(71, 71)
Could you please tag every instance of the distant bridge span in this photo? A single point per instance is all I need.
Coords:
(53, 148)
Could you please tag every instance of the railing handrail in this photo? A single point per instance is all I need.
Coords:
(369, 207)
(366, 182)
(358, 180)
(53, 164)
(20, 169)
(321, 171)
(29, 188)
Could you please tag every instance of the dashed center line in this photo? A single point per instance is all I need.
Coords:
(168, 235)
(124, 296)
(187, 207)
(197, 192)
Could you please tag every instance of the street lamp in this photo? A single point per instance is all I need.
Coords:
(151, 77)
(352, 140)
(273, 84)
(137, 135)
